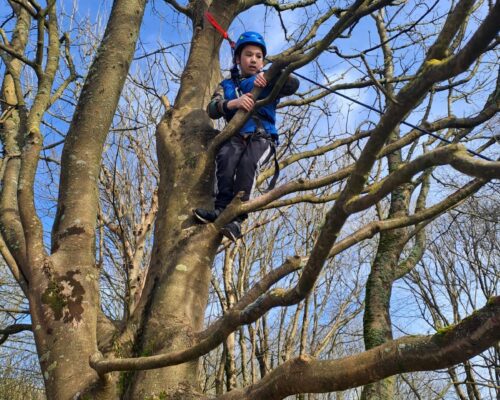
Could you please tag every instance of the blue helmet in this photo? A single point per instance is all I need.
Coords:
(250, 38)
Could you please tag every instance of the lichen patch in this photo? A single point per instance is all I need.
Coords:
(63, 298)
(181, 267)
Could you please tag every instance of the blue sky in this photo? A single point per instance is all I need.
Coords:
(161, 27)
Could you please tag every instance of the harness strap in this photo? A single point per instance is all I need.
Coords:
(274, 179)
(235, 77)
(261, 133)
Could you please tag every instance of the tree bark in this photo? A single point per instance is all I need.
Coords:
(64, 293)
(174, 299)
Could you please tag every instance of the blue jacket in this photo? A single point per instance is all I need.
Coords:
(266, 114)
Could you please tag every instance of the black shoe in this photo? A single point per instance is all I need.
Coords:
(206, 216)
(232, 231)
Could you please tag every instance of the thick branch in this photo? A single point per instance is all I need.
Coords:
(407, 98)
(12, 330)
(291, 6)
(14, 268)
(454, 154)
(292, 62)
(209, 339)
(312, 153)
(490, 108)
(461, 342)
(374, 227)
(12, 129)
(452, 25)
(16, 55)
(439, 70)
(251, 307)
(31, 222)
(268, 200)
(466, 164)
(90, 125)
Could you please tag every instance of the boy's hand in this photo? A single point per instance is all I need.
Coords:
(244, 102)
(260, 81)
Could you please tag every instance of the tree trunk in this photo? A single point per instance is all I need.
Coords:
(377, 328)
(64, 289)
(176, 291)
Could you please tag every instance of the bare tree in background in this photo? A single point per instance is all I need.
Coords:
(148, 340)
(459, 271)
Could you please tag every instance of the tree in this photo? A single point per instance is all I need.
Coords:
(464, 277)
(152, 345)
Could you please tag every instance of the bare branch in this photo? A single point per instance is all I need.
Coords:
(375, 81)
(455, 155)
(13, 266)
(458, 343)
(290, 6)
(14, 311)
(268, 200)
(18, 56)
(29, 218)
(183, 10)
(359, 9)
(341, 86)
(312, 153)
(209, 339)
(12, 330)
(466, 164)
(27, 5)
(373, 228)
(72, 71)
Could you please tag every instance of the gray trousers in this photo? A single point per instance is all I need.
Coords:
(238, 162)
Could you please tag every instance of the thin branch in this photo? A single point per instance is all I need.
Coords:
(375, 81)
(20, 57)
(16, 271)
(359, 84)
(14, 311)
(72, 72)
(28, 7)
(183, 10)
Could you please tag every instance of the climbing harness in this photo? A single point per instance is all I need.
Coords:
(424, 131)
(273, 143)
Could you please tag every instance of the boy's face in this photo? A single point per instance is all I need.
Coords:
(251, 60)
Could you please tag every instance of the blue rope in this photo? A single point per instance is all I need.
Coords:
(380, 112)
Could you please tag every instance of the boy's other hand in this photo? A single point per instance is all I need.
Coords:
(244, 102)
(260, 81)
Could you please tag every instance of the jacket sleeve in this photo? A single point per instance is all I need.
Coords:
(217, 107)
(290, 87)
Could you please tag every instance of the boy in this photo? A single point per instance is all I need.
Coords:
(240, 157)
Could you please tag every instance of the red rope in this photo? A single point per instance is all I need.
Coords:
(214, 23)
